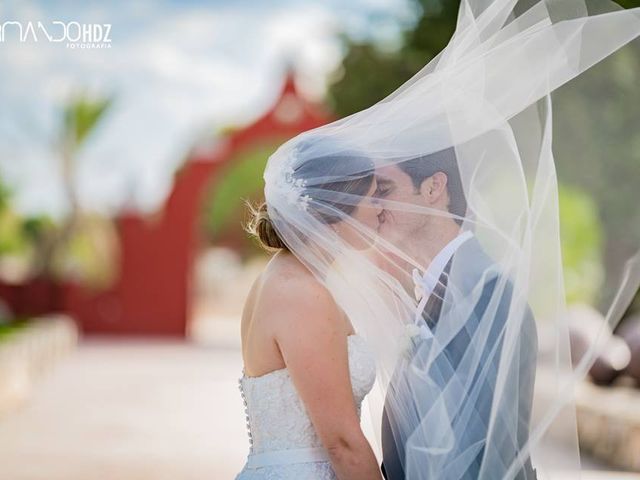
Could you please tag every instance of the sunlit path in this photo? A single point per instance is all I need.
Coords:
(130, 410)
(138, 410)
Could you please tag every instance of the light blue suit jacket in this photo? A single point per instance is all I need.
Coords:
(474, 269)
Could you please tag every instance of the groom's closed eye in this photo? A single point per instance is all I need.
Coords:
(384, 188)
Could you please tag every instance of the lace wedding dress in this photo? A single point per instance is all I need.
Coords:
(283, 442)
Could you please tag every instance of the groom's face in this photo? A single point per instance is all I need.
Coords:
(396, 223)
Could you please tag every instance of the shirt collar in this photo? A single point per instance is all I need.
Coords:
(432, 274)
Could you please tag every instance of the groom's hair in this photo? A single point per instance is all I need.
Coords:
(445, 161)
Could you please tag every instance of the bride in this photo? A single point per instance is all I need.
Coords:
(417, 262)
(306, 370)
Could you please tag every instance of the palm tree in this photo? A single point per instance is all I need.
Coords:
(80, 117)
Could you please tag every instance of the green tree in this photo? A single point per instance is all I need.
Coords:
(369, 73)
(581, 242)
(597, 148)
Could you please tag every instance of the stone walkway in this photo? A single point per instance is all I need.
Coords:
(137, 410)
(130, 410)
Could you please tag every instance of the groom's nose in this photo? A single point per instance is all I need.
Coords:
(381, 217)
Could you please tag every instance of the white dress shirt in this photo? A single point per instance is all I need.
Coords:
(425, 283)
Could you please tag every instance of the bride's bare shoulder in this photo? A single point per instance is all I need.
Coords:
(296, 308)
(286, 278)
(287, 298)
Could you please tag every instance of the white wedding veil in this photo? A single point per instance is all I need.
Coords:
(475, 378)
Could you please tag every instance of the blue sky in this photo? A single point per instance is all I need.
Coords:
(177, 69)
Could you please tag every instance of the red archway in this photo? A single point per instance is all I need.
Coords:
(153, 295)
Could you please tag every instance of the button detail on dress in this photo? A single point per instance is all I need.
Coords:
(246, 413)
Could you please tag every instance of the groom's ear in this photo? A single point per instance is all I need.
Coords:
(434, 188)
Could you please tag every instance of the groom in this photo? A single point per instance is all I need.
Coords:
(461, 296)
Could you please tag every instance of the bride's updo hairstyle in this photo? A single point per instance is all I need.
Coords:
(260, 227)
(315, 172)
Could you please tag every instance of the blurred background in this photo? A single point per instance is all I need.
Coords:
(131, 133)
